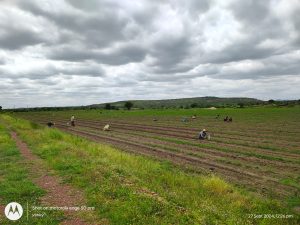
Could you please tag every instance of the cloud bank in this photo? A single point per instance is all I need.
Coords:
(73, 52)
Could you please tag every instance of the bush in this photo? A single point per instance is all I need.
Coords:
(216, 185)
(194, 105)
(107, 106)
(128, 105)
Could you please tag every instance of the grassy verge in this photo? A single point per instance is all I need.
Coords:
(15, 185)
(130, 189)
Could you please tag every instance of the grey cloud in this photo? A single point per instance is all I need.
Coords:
(236, 52)
(18, 29)
(296, 23)
(91, 71)
(146, 48)
(257, 24)
(281, 65)
(176, 79)
(18, 38)
(122, 55)
(169, 53)
(69, 53)
(251, 12)
(94, 29)
(44, 72)
(194, 7)
(90, 5)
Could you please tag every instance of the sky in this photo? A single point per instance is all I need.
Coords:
(74, 52)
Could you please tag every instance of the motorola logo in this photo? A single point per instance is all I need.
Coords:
(13, 211)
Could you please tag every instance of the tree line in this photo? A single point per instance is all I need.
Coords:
(129, 105)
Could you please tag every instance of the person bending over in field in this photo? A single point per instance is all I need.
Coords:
(106, 127)
(226, 119)
(50, 124)
(230, 119)
(203, 135)
(73, 121)
(184, 119)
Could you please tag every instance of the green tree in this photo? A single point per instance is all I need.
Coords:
(107, 106)
(128, 105)
(194, 105)
(271, 101)
(241, 105)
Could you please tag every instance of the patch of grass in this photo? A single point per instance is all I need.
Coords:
(294, 201)
(53, 134)
(16, 186)
(130, 189)
(217, 185)
(291, 182)
(34, 125)
(230, 161)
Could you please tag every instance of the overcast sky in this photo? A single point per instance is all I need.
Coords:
(75, 52)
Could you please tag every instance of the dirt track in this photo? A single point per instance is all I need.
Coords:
(58, 194)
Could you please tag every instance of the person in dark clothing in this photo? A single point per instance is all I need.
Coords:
(50, 124)
(202, 135)
(230, 119)
(226, 119)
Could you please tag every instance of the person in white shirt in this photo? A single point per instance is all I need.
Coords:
(73, 121)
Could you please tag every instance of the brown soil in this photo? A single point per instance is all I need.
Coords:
(58, 194)
(249, 174)
(238, 131)
(178, 134)
(2, 207)
(245, 178)
(279, 165)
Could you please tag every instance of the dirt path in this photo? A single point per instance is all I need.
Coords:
(2, 207)
(58, 194)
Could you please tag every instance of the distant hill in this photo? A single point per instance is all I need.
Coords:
(198, 102)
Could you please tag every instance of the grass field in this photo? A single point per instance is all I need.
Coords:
(250, 167)
(16, 184)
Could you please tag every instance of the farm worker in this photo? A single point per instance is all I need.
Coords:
(50, 124)
(73, 121)
(184, 119)
(230, 119)
(226, 119)
(106, 127)
(202, 134)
